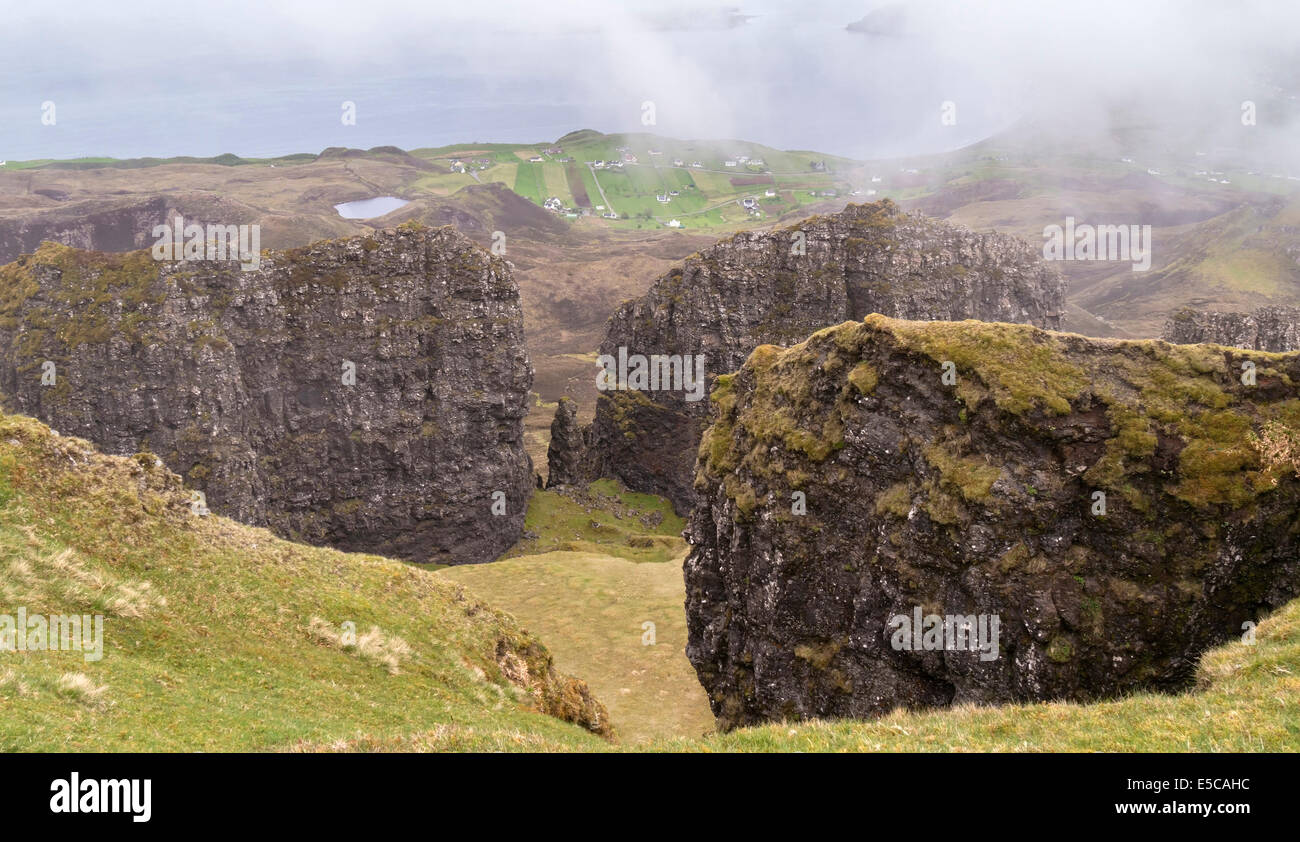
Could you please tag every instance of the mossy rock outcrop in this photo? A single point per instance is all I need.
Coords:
(1119, 506)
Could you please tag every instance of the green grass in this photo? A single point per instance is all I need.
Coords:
(530, 182)
(592, 611)
(221, 637)
(605, 519)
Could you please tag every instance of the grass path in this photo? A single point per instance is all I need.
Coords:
(591, 609)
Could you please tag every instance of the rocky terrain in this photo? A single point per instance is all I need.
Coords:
(1266, 329)
(780, 286)
(366, 393)
(1118, 506)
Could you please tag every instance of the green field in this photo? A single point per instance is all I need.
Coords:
(530, 182)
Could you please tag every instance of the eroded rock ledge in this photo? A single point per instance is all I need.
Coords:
(1266, 329)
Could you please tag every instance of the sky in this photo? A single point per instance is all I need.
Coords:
(257, 77)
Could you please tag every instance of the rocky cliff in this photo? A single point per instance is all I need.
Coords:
(366, 393)
(1266, 329)
(780, 286)
(1097, 513)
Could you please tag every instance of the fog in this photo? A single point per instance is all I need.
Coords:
(135, 78)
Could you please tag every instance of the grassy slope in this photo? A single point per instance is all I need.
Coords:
(208, 639)
(606, 520)
(591, 610)
(587, 590)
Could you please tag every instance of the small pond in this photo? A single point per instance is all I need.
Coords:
(370, 208)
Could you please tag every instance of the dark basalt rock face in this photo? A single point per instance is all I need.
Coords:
(1266, 329)
(366, 393)
(844, 483)
(779, 287)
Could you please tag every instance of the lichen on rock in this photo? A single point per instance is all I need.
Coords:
(980, 496)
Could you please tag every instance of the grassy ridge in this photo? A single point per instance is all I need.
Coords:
(218, 636)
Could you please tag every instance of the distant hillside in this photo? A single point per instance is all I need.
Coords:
(1246, 258)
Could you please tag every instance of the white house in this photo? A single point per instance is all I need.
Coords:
(673, 223)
